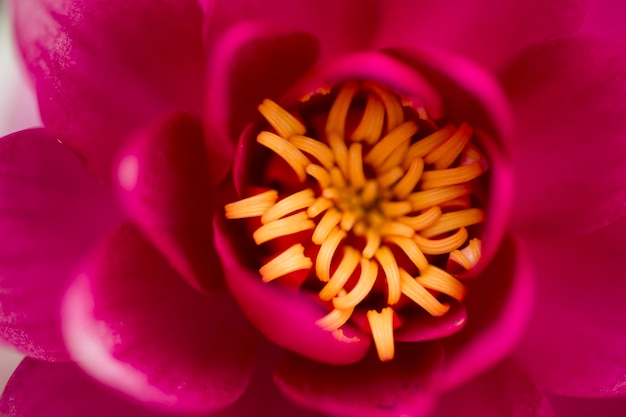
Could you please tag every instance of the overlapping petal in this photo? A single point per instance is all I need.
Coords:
(52, 212)
(134, 324)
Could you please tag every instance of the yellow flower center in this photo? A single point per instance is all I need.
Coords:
(387, 201)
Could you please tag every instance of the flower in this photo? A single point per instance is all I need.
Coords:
(124, 280)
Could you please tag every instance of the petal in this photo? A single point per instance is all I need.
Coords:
(101, 68)
(575, 344)
(401, 387)
(504, 391)
(250, 62)
(163, 176)
(604, 18)
(42, 389)
(489, 32)
(584, 407)
(284, 316)
(569, 155)
(131, 322)
(52, 213)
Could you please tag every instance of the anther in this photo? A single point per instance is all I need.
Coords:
(329, 221)
(326, 253)
(336, 122)
(411, 249)
(377, 155)
(407, 184)
(252, 206)
(290, 260)
(292, 155)
(315, 148)
(393, 107)
(298, 222)
(422, 221)
(340, 151)
(298, 201)
(283, 122)
(469, 256)
(454, 220)
(367, 278)
(320, 174)
(348, 264)
(371, 125)
(437, 196)
(425, 145)
(355, 166)
(421, 296)
(382, 332)
(451, 176)
(385, 258)
(437, 279)
(444, 245)
(445, 154)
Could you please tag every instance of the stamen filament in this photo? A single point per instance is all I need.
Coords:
(421, 296)
(439, 280)
(369, 193)
(382, 332)
(336, 122)
(335, 319)
(371, 125)
(393, 107)
(290, 260)
(454, 220)
(344, 271)
(407, 184)
(422, 221)
(320, 174)
(287, 205)
(441, 246)
(253, 206)
(425, 145)
(326, 253)
(430, 198)
(451, 176)
(396, 157)
(298, 222)
(381, 151)
(372, 243)
(340, 151)
(369, 272)
(392, 228)
(325, 226)
(444, 155)
(355, 166)
(412, 251)
(283, 122)
(389, 178)
(320, 205)
(292, 155)
(394, 209)
(315, 148)
(387, 261)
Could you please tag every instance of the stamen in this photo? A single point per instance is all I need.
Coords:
(283, 122)
(287, 205)
(394, 209)
(344, 271)
(369, 272)
(336, 122)
(412, 251)
(369, 193)
(337, 178)
(392, 228)
(393, 107)
(290, 260)
(326, 253)
(315, 148)
(355, 166)
(441, 246)
(430, 198)
(439, 280)
(325, 227)
(377, 155)
(387, 261)
(382, 332)
(407, 184)
(454, 220)
(390, 177)
(422, 221)
(371, 125)
(469, 256)
(318, 207)
(336, 318)
(298, 222)
(444, 155)
(372, 243)
(425, 145)
(396, 157)
(340, 151)
(349, 218)
(320, 174)
(421, 296)
(286, 150)
(252, 206)
(451, 176)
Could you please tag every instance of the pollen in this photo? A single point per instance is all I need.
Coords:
(384, 203)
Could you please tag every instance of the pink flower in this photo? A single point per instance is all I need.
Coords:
(126, 283)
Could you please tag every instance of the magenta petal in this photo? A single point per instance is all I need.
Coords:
(284, 316)
(164, 180)
(489, 32)
(605, 18)
(504, 391)
(134, 324)
(569, 155)
(52, 213)
(576, 344)
(401, 387)
(585, 407)
(101, 68)
(42, 389)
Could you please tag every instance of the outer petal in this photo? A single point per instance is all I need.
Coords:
(402, 387)
(164, 180)
(569, 156)
(285, 317)
(489, 32)
(605, 18)
(132, 323)
(103, 67)
(250, 62)
(576, 343)
(51, 214)
(584, 407)
(41, 389)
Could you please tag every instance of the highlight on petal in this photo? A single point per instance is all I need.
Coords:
(569, 154)
(131, 322)
(51, 214)
(102, 68)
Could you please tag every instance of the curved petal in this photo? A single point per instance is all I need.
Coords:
(372, 388)
(489, 32)
(250, 62)
(569, 155)
(504, 391)
(43, 389)
(101, 68)
(605, 18)
(132, 323)
(285, 317)
(164, 180)
(575, 344)
(52, 212)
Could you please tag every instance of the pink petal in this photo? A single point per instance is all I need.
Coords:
(402, 387)
(284, 316)
(52, 213)
(249, 63)
(605, 18)
(569, 155)
(131, 322)
(489, 32)
(504, 391)
(163, 176)
(585, 407)
(42, 389)
(101, 68)
(576, 344)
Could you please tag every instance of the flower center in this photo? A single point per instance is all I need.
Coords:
(383, 209)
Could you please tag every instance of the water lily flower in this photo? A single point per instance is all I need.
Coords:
(356, 208)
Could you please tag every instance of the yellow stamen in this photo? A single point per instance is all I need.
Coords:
(460, 203)
(320, 205)
(355, 166)
(444, 155)
(371, 125)
(439, 280)
(349, 218)
(389, 178)
(283, 122)
(425, 145)
(387, 261)
(454, 220)
(451, 176)
(298, 222)
(253, 206)
(392, 228)
(382, 332)
(422, 221)
(369, 271)
(441, 246)
(381, 151)
(336, 318)
(336, 122)
(393, 107)
(372, 239)
(430, 198)
(337, 178)
(412, 251)
(394, 209)
(326, 253)
(315, 148)
(290, 260)
(407, 184)
(421, 296)
(396, 157)
(347, 266)
(369, 193)
(469, 256)
(339, 335)
(287, 205)
(292, 155)
(320, 174)
(340, 151)
(325, 226)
